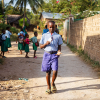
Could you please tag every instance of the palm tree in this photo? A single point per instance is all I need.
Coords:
(34, 4)
(3, 6)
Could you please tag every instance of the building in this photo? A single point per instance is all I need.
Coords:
(13, 20)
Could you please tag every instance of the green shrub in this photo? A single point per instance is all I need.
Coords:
(13, 29)
(21, 22)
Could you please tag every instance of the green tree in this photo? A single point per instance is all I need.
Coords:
(34, 4)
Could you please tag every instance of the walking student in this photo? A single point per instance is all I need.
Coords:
(35, 43)
(27, 45)
(8, 34)
(51, 42)
(4, 45)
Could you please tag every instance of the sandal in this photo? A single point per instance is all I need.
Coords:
(48, 91)
(26, 57)
(3, 57)
(35, 57)
(53, 89)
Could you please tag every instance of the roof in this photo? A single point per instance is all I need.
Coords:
(51, 15)
(54, 15)
(14, 18)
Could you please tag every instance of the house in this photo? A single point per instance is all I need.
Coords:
(13, 20)
(57, 17)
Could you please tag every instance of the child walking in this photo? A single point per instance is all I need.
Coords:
(27, 45)
(34, 40)
(51, 42)
(4, 46)
(8, 34)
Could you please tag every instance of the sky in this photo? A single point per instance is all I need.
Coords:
(7, 1)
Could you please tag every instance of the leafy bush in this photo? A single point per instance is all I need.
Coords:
(13, 29)
(21, 22)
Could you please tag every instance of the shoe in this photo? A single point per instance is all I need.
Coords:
(35, 57)
(3, 57)
(48, 91)
(53, 89)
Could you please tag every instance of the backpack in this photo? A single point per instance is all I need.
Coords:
(1, 40)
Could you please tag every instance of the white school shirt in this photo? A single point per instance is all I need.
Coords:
(8, 33)
(3, 37)
(56, 40)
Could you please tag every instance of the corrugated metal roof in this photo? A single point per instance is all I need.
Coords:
(51, 15)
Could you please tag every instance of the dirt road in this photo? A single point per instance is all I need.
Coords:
(22, 79)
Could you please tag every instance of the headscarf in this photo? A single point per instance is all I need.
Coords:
(24, 30)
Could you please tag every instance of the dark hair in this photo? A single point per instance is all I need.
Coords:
(26, 35)
(7, 28)
(21, 29)
(3, 30)
(35, 32)
(56, 25)
(51, 22)
(46, 26)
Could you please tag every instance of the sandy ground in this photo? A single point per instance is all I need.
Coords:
(76, 80)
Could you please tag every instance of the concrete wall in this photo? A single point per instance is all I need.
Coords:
(86, 33)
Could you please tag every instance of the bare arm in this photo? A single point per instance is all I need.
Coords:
(44, 45)
(59, 50)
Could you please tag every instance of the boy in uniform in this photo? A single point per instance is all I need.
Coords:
(51, 42)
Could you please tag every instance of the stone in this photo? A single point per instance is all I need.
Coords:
(26, 91)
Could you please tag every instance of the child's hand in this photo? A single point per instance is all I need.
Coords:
(58, 53)
(48, 42)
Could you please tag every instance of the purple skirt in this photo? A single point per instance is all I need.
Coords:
(50, 62)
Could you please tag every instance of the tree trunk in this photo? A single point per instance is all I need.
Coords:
(3, 11)
(24, 13)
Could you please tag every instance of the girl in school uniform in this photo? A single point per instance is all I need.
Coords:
(27, 45)
(8, 34)
(21, 41)
(4, 46)
(34, 40)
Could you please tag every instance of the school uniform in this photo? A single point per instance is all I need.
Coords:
(4, 46)
(27, 45)
(34, 40)
(50, 59)
(8, 41)
(20, 44)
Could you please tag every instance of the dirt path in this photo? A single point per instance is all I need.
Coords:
(75, 81)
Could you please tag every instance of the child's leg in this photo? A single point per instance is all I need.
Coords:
(34, 53)
(48, 79)
(3, 53)
(53, 78)
(21, 52)
(26, 55)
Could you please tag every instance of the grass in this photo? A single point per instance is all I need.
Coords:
(85, 57)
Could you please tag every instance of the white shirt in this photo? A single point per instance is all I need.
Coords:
(8, 33)
(3, 37)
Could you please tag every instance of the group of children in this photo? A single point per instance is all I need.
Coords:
(6, 43)
(23, 42)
